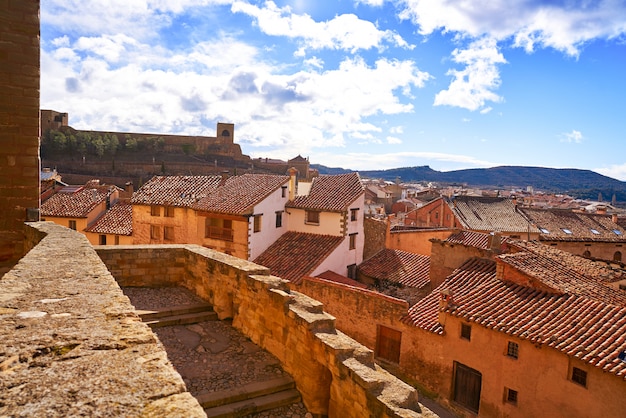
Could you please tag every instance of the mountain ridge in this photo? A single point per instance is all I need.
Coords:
(585, 184)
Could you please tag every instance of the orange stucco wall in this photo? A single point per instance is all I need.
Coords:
(417, 242)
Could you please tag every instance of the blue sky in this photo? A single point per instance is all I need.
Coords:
(359, 84)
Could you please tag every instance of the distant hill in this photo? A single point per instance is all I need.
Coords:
(584, 184)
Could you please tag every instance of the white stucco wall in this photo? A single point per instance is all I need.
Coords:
(260, 241)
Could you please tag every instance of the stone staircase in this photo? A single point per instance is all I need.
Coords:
(178, 315)
(249, 399)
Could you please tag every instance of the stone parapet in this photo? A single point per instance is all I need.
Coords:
(71, 343)
(336, 375)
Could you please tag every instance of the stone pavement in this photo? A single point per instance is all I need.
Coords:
(211, 356)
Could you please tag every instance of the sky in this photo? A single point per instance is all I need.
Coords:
(357, 84)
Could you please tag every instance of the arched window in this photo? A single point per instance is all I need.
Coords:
(225, 132)
(617, 256)
(587, 254)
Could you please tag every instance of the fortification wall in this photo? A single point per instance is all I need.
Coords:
(336, 375)
(71, 343)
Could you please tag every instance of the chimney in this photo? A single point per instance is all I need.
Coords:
(129, 188)
(445, 301)
(293, 183)
(614, 218)
(495, 241)
(224, 177)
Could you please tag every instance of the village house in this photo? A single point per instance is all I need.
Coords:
(114, 227)
(592, 235)
(78, 207)
(325, 222)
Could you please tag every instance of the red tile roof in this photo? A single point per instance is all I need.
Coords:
(180, 191)
(296, 254)
(331, 276)
(566, 273)
(240, 193)
(117, 221)
(408, 269)
(490, 214)
(330, 193)
(75, 201)
(424, 314)
(471, 239)
(554, 223)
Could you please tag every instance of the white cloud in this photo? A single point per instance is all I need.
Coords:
(396, 130)
(473, 86)
(614, 171)
(574, 136)
(393, 140)
(564, 26)
(344, 32)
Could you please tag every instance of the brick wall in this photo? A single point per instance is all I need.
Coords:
(19, 123)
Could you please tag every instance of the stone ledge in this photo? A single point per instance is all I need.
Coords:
(71, 343)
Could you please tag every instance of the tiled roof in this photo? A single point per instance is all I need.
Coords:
(330, 193)
(411, 270)
(75, 201)
(296, 254)
(240, 193)
(490, 214)
(565, 273)
(470, 238)
(181, 191)
(566, 225)
(424, 314)
(331, 276)
(576, 325)
(117, 221)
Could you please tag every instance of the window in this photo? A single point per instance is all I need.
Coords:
(257, 223)
(579, 376)
(117, 240)
(617, 256)
(283, 191)
(617, 232)
(512, 350)
(354, 214)
(388, 344)
(218, 229)
(352, 241)
(102, 240)
(155, 210)
(511, 396)
(595, 231)
(466, 331)
(72, 224)
(312, 217)
(168, 233)
(545, 231)
(352, 271)
(587, 254)
(169, 211)
(567, 231)
(279, 219)
(467, 385)
(155, 232)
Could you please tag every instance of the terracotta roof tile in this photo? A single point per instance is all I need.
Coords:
(408, 269)
(240, 193)
(330, 193)
(567, 225)
(117, 221)
(471, 239)
(490, 214)
(296, 254)
(180, 191)
(424, 314)
(75, 201)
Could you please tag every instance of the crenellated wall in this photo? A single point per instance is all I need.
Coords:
(336, 375)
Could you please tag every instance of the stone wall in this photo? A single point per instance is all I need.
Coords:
(71, 343)
(375, 235)
(19, 125)
(335, 375)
